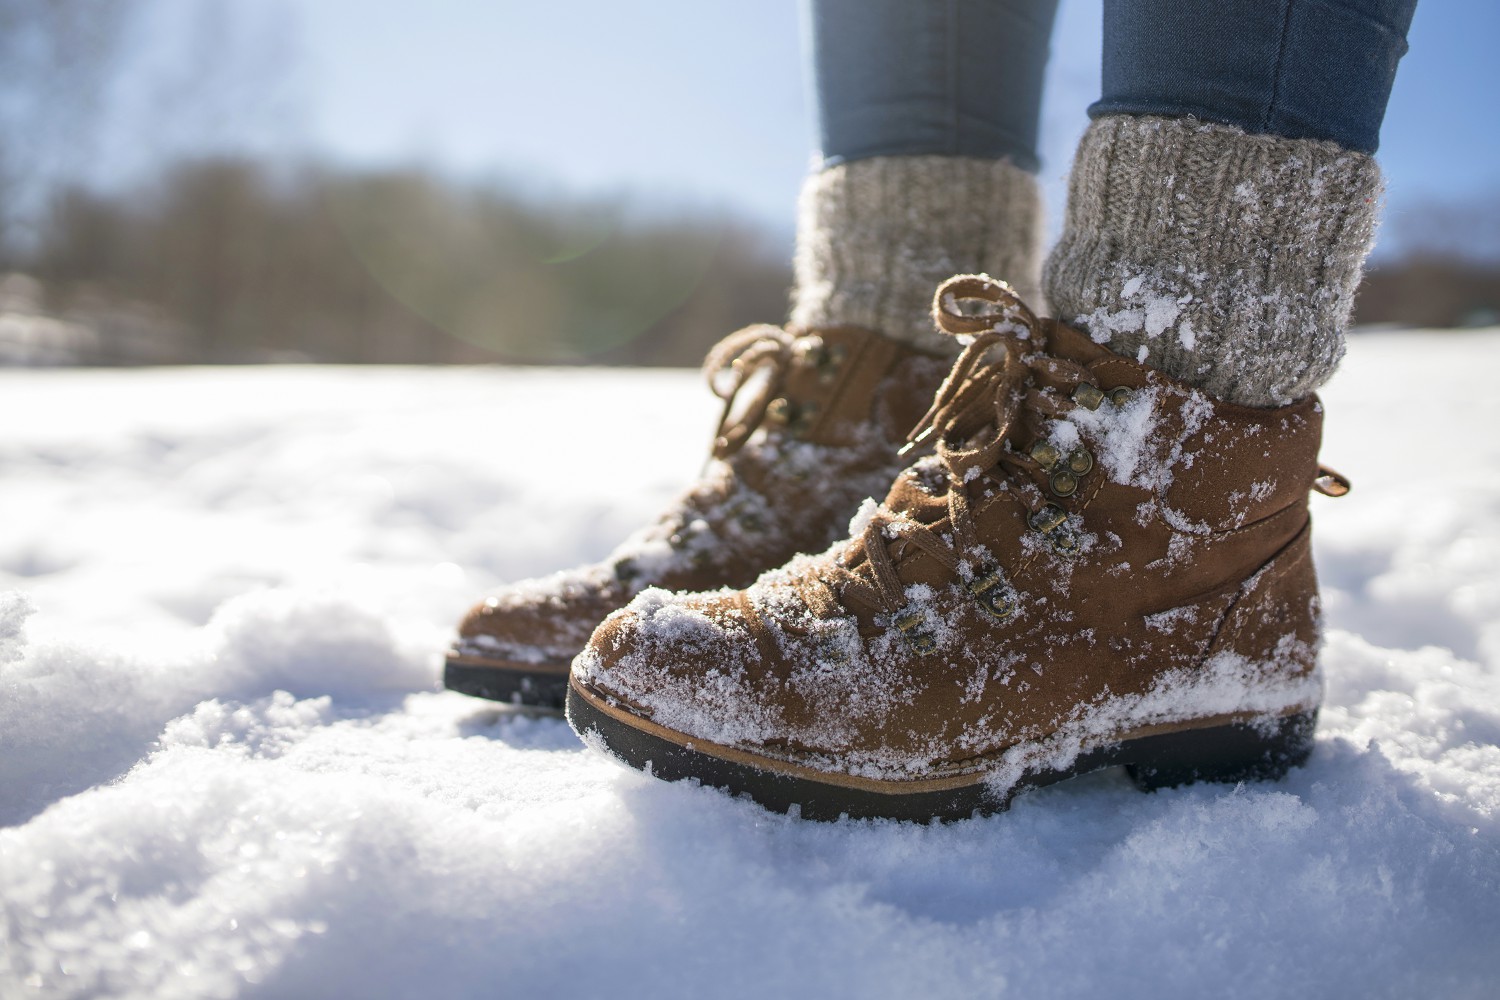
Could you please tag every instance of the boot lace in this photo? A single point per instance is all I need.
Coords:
(1002, 375)
(732, 365)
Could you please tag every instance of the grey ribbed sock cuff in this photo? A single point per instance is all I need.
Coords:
(875, 238)
(1225, 259)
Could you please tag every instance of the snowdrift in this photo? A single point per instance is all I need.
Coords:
(226, 768)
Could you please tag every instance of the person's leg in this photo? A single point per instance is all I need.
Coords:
(1299, 69)
(927, 119)
(928, 113)
(1224, 197)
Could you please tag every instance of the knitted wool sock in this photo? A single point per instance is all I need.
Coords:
(1225, 259)
(875, 237)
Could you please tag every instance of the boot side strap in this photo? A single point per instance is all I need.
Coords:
(1331, 483)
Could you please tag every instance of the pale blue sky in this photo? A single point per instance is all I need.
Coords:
(704, 100)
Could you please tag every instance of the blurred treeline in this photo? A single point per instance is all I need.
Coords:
(1443, 270)
(229, 260)
(181, 251)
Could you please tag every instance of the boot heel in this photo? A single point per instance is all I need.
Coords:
(1233, 753)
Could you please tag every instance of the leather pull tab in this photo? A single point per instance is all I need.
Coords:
(1331, 483)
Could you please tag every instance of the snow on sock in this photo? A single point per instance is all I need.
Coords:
(876, 236)
(1225, 259)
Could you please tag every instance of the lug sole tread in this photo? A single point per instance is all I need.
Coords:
(537, 685)
(1231, 752)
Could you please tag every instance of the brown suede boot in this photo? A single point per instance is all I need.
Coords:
(1099, 565)
(812, 425)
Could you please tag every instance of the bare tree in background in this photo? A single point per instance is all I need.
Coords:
(57, 58)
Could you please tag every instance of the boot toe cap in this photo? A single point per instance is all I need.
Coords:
(679, 660)
(548, 618)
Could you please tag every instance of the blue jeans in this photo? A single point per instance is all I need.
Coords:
(1304, 69)
(964, 77)
(912, 77)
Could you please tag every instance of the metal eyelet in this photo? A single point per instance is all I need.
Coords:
(1088, 396)
(994, 595)
(1049, 517)
(1063, 542)
(824, 359)
(909, 623)
(810, 351)
(1066, 472)
(1045, 455)
(795, 417)
(1051, 522)
(1120, 395)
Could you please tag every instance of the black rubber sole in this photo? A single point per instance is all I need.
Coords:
(535, 688)
(1229, 753)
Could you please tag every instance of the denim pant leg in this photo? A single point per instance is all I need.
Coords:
(1302, 69)
(928, 77)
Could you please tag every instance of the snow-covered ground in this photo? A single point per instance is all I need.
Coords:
(226, 768)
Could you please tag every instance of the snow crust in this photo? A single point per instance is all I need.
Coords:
(226, 769)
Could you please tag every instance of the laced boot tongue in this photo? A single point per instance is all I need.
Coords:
(919, 493)
(1063, 341)
(753, 359)
(977, 416)
(972, 402)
